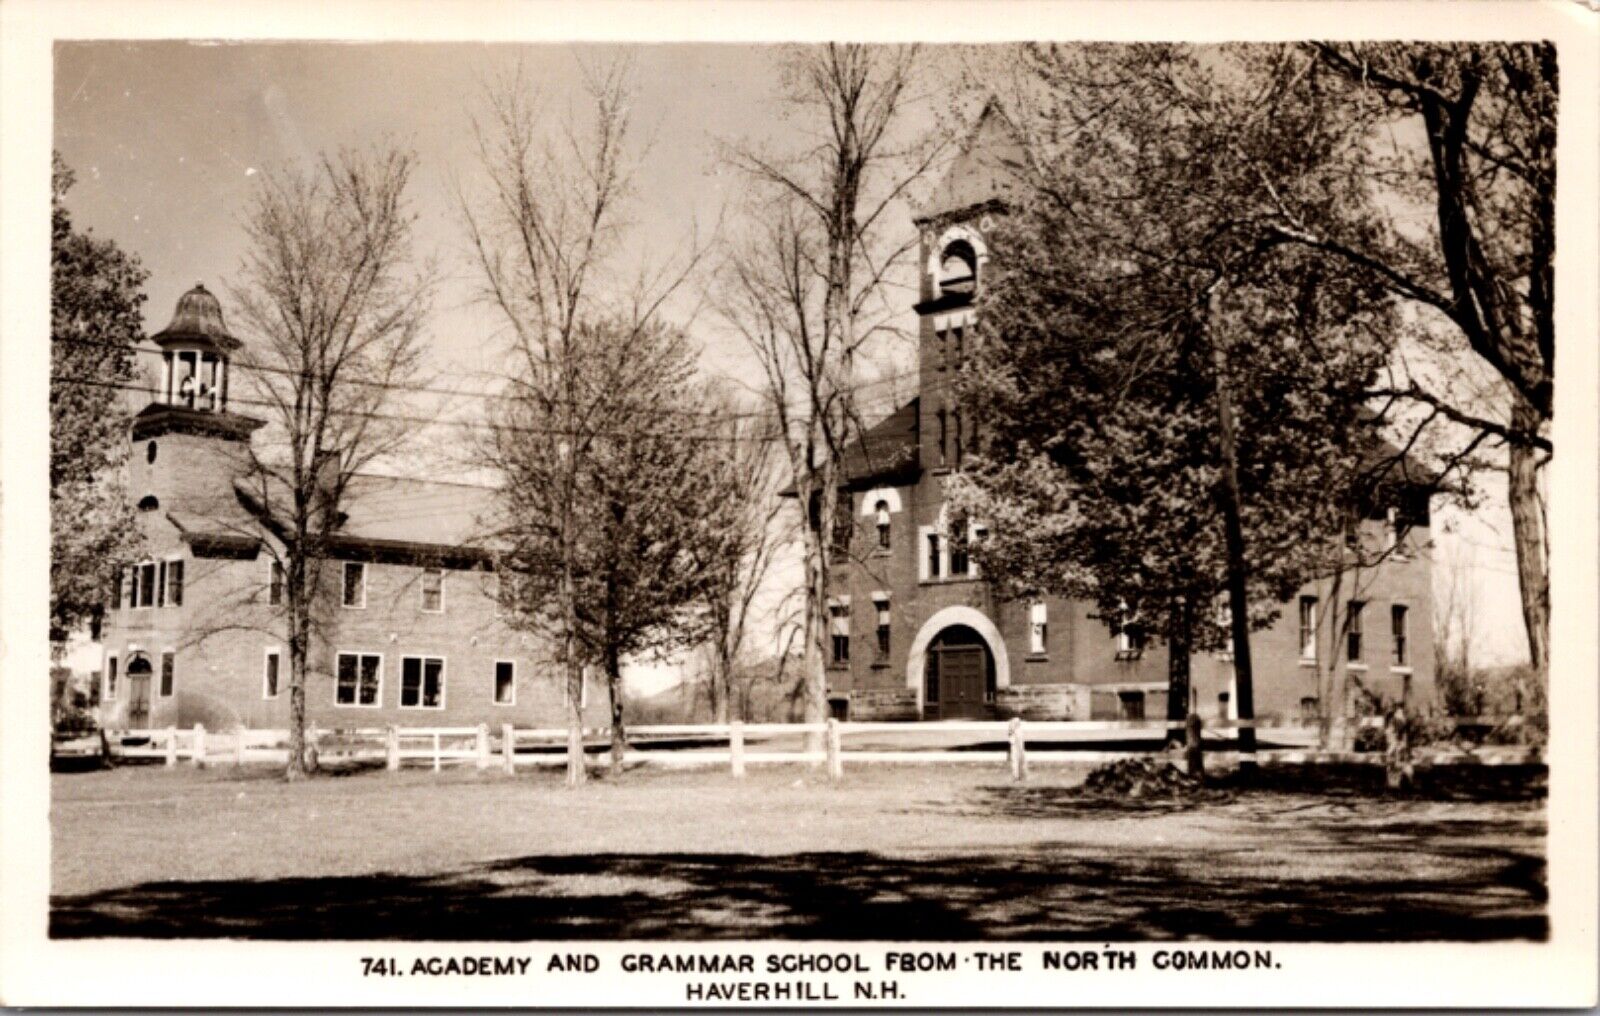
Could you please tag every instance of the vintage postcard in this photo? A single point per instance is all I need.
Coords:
(816, 504)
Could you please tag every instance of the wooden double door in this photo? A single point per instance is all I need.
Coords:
(959, 682)
(138, 693)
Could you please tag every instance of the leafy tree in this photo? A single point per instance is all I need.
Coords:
(1126, 294)
(622, 513)
(95, 297)
(1465, 235)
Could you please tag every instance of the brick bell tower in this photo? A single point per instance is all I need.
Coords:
(188, 444)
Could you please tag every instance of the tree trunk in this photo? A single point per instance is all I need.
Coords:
(1233, 534)
(1178, 660)
(721, 685)
(1529, 536)
(296, 767)
(619, 736)
(816, 672)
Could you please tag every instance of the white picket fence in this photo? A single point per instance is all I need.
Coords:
(510, 747)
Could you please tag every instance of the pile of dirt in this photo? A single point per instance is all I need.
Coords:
(1135, 778)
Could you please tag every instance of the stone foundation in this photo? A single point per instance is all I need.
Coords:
(1042, 702)
(875, 705)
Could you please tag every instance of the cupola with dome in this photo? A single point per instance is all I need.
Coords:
(196, 350)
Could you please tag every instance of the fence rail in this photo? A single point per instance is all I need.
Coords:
(729, 744)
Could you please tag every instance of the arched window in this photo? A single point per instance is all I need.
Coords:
(882, 512)
(958, 268)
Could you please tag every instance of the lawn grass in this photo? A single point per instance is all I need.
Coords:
(921, 852)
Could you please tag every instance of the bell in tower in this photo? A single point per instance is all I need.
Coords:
(194, 354)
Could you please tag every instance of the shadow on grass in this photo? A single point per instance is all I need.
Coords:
(1474, 894)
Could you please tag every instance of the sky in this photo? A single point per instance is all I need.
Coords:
(168, 139)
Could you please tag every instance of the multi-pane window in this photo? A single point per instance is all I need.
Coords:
(421, 682)
(355, 584)
(839, 625)
(269, 677)
(168, 661)
(881, 603)
(1397, 627)
(1308, 627)
(433, 590)
(882, 512)
(960, 562)
(1353, 632)
(111, 678)
(933, 555)
(172, 591)
(505, 683)
(1038, 629)
(955, 424)
(944, 438)
(144, 591)
(275, 583)
(360, 679)
(1130, 637)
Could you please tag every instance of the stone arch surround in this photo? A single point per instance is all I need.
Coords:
(972, 618)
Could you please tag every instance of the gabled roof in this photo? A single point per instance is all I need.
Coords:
(988, 169)
(393, 517)
(887, 450)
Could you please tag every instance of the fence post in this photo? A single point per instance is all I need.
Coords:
(1018, 752)
(391, 748)
(483, 746)
(199, 755)
(508, 746)
(736, 747)
(1194, 758)
(172, 746)
(435, 751)
(835, 762)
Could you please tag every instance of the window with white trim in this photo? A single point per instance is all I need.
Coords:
(1398, 616)
(144, 593)
(881, 510)
(1308, 628)
(880, 603)
(421, 682)
(933, 558)
(505, 682)
(168, 662)
(1353, 645)
(433, 590)
(355, 585)
(110, 693)
(839, 626)
(172, 585)
(1038, 629)
(359, 680)
(270, 674)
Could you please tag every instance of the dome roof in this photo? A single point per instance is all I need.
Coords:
(198, 320)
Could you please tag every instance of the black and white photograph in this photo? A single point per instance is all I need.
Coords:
(833, 516)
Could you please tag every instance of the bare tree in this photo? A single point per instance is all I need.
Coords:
(334, 304)
(809, 290)
(737, 565)
(544, 237)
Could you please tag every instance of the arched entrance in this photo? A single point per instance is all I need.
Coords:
(139, 671)
(958, 679)
(967, 641)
